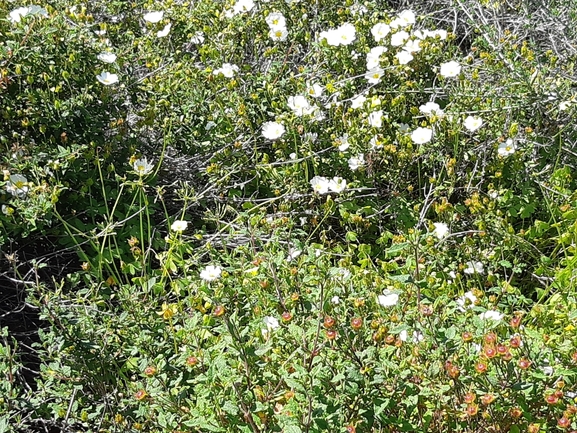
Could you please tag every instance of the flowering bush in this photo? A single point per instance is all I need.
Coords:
(288, 216)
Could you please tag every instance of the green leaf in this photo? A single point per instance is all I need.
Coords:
(396, 249)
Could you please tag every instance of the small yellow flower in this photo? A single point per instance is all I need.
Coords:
(168, 311)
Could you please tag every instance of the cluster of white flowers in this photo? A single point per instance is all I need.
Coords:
(277, 26)
(17, 185)
(240, 7)
(342, 35)
(227, 69)
(17, 14)
(322, 185)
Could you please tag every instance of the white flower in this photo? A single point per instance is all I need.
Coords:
(278, 34)
(491, 314)
(335, 300)
(358, 9)
(343, 35)
(165, 31)
(318, 115)
(412, 46)
(197, 38)
(310, 136)
(320, 184)
(431, 108)
(547, 369)
(358, 101)
(252, 271)
(7, 210)
(271, 323)
(388, 299)
(376, 142)
(299, 105)
(17, 14)
(276, 20)
(376, 119)
(404, 57)
(293, 254)
(442, 34)
(210, 273)
(473, 123)
(405, 19)
(380, 31)
(399, 38)
(474, 267)
(142, 166)
(441, 230)
(450, 69)
(404, 128)
(356, 162)
(227, 69)
(374, 57)
(272, 130)
(346, 33)
(179, 226)
(153, 17)
(417, 336)
(107, 57)
(421, 135)
(507, 148)
(564, 105)
(107, 78)
(343, 142)
(373, 76)
(17, 185)
(242, 6)
(466, 301)
(293, 155)
(316, 90)
(337, 184)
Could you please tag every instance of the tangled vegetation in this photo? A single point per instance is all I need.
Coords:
(288, 216)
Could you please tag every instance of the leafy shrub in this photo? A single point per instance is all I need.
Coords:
(292, 217)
